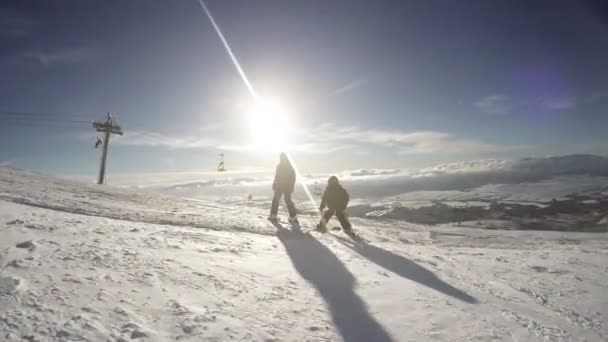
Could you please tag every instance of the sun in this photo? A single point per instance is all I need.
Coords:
(269, 126)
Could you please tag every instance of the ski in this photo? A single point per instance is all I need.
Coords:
(353, 236)
(294, 226)
(297, 227)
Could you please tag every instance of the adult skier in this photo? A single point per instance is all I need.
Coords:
(335, 197)
(284, 182)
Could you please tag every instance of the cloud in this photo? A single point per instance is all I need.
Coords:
(350, 86)
(598, 96)
(326, 138)
(325, 98)
(310, 148)
(405, 142)
(450, 144)
(67, 55)
(582, 171)
(499, 104)
(370, 172)
(314, 148)
(559, 103)
(155, 139)
(494, 105)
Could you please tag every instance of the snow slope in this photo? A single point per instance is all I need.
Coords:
(118, 265)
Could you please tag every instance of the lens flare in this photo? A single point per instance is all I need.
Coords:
(228, 49)
(253, 93)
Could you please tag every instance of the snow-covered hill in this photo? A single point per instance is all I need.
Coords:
(88, 263)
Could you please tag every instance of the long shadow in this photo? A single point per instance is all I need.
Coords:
(408, 269)
(321, 268)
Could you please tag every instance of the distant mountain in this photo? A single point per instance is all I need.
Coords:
(566, 165)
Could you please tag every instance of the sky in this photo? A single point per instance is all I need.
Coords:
(357, 84)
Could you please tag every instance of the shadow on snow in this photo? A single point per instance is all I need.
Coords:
(408, 269)
(322, 269)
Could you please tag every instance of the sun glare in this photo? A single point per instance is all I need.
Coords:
(269, 125)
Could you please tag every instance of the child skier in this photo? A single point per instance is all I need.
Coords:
(336, 199)
(284, 182)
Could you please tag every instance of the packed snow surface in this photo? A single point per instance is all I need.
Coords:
(89, 263)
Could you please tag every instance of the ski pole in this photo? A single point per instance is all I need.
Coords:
(303, 209)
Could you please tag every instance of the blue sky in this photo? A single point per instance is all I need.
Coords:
(385, 84)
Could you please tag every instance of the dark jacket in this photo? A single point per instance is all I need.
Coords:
(284, 177)
(335, 197)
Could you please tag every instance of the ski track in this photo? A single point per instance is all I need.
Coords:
(103, 264)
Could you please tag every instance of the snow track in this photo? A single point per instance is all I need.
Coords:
(115, 265)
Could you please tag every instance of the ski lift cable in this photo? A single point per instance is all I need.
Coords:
(43, 124)
(54, 115)
(59, 116)
(310, 218)
(27, 119)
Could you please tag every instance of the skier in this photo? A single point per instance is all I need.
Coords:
(284, 182)
(335, 197)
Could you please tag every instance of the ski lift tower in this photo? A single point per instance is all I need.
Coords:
(109, 126)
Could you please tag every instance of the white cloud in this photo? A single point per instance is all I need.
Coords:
(560, 103)
(449, 144)
(405, 142)
(346, 88)
(155, 139)
(311, 148)
(350, 86)
(499, 104)
(598, 96)
(494, 104)
(66, 55)
(324, 139)
(315, 148)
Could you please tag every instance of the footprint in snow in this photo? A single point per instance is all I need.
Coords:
(15, 222)
(9, 286)
(133, 331)
(26, 245)
(16, 264)
(120, 311)
(539, 269)
(89, 309)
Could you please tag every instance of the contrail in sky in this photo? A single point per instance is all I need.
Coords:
(228, 49)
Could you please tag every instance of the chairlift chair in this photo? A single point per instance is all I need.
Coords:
(221, 167)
